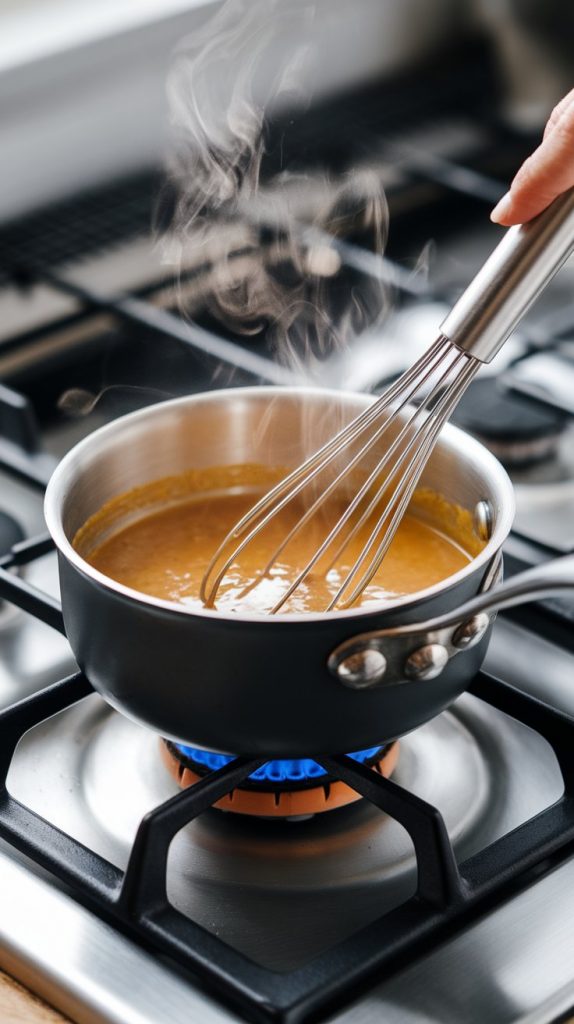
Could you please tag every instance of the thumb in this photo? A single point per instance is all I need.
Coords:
(545, 174)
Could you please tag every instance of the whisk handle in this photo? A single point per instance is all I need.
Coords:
(513, 276)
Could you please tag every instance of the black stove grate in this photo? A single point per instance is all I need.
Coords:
(448, 895)
(71, 229)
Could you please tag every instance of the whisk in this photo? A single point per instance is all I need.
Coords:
(405, 422)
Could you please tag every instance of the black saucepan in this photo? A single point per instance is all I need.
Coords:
(287, 685)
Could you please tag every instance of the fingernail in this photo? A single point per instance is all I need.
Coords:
(501, 209)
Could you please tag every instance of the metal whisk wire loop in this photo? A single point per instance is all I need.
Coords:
(409, 415)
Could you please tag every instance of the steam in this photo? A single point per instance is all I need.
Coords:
(421, 270)
(256, 242)
(79, 402)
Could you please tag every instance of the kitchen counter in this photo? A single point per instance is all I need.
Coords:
(19, 1006)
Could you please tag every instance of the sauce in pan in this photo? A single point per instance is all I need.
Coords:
(158, 539)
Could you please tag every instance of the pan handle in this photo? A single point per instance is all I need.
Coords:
(421, 650)
(533, 584)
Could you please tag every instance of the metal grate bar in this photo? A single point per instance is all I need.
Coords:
(454, 176)
(439, 882)
(145, 879)
(27, 550)
(33, 468)
(142, 314)
(505, 863)
(18, 718)
(27, 597)
(556, 726)
(20, 449)
(53, 850)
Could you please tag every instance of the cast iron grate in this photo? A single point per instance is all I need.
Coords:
(448, 895)
(75, 228)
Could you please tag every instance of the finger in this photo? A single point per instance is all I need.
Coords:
(558, 111)
(543, 176)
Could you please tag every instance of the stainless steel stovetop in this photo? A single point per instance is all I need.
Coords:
(281, 893)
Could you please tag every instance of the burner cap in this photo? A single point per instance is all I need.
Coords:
(10, 533)
(516, 431)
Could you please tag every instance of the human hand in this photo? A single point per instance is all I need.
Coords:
(547, 173)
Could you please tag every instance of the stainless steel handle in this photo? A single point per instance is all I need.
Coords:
(533, 584)
(421, 650)
(511, 279)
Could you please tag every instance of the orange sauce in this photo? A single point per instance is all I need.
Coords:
(158, 539)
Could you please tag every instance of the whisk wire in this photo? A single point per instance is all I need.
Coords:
(439, 378)
(298, 479)
(364, 490)
(345, 472)
(366, 514)
(419, 462)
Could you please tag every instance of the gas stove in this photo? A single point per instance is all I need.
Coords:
(441, 888)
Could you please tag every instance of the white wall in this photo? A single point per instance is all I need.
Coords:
(77, 107)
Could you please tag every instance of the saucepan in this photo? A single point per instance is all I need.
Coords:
(291, 684)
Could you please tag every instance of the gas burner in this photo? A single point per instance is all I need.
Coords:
(278, 789)
(518, 432)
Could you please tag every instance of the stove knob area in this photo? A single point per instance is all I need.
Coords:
(427, 662)
(471, 632)
(361, 669)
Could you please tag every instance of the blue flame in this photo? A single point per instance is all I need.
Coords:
(297, 770)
